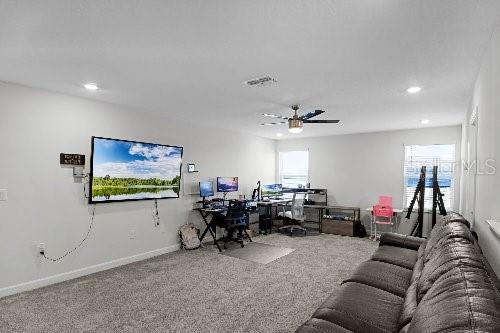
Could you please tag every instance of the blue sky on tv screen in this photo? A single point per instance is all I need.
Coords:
(122, 159)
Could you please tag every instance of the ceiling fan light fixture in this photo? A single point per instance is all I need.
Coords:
(295, 125)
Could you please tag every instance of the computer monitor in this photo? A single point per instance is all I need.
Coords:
(227, 184)
(272, 190)
(206, 189)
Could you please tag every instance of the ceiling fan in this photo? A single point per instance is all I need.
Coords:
(295, 123)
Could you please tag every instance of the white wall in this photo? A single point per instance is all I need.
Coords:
(357, 168)
(45, 204)
(486, 98)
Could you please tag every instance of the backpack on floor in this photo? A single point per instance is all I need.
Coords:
(189, 237)
(359, 230)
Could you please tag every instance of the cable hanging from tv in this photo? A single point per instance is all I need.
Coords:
(67, 253)
(156, 214)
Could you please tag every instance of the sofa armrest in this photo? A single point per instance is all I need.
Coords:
(393, 239)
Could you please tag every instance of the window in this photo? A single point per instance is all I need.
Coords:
(294, 168)
(429, 155)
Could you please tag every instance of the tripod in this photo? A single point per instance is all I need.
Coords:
(437, 197)
(418, 196)
(437, 201)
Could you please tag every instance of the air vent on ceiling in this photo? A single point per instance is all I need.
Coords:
(261, 81)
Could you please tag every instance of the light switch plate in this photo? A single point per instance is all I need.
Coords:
(3, 194)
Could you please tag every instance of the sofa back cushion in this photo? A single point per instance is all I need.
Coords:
(451, 217)
(451, 253)
(462, 299)
(445, 231)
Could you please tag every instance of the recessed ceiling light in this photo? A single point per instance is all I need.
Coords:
(91, 86)
(279, 134)
(413, 90)
(424, 121)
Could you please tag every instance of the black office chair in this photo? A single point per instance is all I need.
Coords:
(234, 223)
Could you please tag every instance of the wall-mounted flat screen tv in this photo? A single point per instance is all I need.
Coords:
(122, 170)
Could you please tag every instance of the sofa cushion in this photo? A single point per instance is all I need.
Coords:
(315, 325)
(451, 230)
(396, 255)
(444, 258)
(362, 308)
(462, 299)
(382, 275)
(451, 217)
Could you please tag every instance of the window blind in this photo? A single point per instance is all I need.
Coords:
(294, 168)
(429, 155)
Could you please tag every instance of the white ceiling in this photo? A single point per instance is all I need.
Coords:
(188, 59)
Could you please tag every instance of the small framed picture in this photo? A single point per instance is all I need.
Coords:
(191, 167)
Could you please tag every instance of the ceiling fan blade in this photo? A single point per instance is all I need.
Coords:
(274, 116)
(321, 121)
(311, 114)
(270, 124)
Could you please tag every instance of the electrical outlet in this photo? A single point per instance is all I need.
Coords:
(131, 235)
(41, 248)
(3, 194)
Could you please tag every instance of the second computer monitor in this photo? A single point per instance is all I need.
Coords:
(206, 189)
(272, 190)
(227, 184)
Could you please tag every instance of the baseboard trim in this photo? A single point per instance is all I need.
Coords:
(46, 281)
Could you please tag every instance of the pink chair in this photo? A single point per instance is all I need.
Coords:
(385, 200)
(383, 214)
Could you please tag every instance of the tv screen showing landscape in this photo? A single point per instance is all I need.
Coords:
(227, 184)
(124, 170)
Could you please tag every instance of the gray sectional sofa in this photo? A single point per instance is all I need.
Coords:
(442, 284)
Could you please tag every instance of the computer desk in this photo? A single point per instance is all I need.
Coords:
(268, 205)
(321, 209)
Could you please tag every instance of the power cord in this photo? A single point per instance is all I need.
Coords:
(156, 215)
(86, 181)
(91, 225)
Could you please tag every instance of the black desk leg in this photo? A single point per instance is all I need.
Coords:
(320, 219)
(206, 224)
(209, 228)
(215, 239)
(270, 225)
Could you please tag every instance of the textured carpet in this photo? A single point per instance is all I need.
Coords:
(194, 291)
